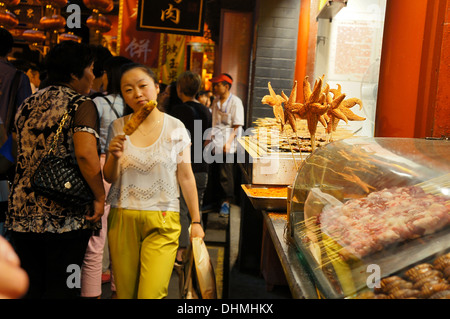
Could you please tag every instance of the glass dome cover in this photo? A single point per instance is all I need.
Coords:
(365, 208)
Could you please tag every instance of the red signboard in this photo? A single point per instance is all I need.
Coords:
(139, 46)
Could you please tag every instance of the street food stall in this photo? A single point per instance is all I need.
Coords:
(357, 217)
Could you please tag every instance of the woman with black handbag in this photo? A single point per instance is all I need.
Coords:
(49, 233)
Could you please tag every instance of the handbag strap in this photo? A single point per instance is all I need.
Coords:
(58, 132)
(61, 125)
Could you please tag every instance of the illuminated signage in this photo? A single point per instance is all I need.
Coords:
(171, 16)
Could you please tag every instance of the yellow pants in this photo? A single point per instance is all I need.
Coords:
(143, 246)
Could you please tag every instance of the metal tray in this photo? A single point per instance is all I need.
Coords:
(263, 202)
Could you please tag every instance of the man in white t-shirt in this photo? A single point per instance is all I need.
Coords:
(227, 122)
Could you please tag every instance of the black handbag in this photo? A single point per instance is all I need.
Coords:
(58, 179)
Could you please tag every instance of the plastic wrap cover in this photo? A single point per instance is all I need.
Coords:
(366, 208)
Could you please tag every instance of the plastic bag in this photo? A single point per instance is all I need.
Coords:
(204, 269)
(187, 277)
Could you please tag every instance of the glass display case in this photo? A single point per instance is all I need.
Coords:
(364, 209)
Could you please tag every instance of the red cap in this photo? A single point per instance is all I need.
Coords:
(222, 77)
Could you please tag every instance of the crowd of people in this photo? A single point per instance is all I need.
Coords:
(144, 212)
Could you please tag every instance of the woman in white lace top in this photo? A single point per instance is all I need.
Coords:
(146, 170)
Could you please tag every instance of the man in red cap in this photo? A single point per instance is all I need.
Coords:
(227, 121)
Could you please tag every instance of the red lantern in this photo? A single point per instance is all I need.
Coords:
(99, 23)
(103, 6)
(54, 22)
(8, 19)
(34, 36)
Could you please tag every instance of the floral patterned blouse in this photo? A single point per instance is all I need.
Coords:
(36, 122)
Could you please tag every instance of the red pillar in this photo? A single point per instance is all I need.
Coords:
(302, 45)
(409, 72)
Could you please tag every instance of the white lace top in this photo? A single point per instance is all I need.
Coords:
(148, 179)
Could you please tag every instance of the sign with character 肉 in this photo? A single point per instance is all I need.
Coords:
(171, 16)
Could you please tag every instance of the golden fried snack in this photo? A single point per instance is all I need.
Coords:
(275, 101)
(139, 117)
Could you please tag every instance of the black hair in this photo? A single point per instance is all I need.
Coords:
(202, 92)
(101, 55)
(173, 97)
(133, 65)
(162, 87)
(112, 68)
(66, 59)
(227, 83)
(6, 42)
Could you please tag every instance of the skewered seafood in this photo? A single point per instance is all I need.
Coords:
(291, 107)
(341, 109)
(275, 102)
(321, 104)
(312, 108)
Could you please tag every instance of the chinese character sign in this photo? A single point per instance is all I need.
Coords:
(174, 52)
(139, 46)
(171, 16)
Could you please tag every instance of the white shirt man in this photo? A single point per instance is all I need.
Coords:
(227, 123)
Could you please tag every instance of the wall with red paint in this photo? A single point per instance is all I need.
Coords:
(441, 125)
(414, 85)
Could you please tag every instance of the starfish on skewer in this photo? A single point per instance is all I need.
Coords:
(341, 110)
(335, 113)
(275, 102)
(313, 108)
(291, 107)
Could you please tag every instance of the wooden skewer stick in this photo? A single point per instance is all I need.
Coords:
(292, 151)
(299, 147)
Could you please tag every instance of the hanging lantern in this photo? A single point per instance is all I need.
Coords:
(99, 23)
(69, 37)
(55, 22)
(9, 3)
(103, 6)
(54, 3)
(34, 36)
(8, 19)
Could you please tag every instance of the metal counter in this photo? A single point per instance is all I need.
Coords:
(300, 283)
